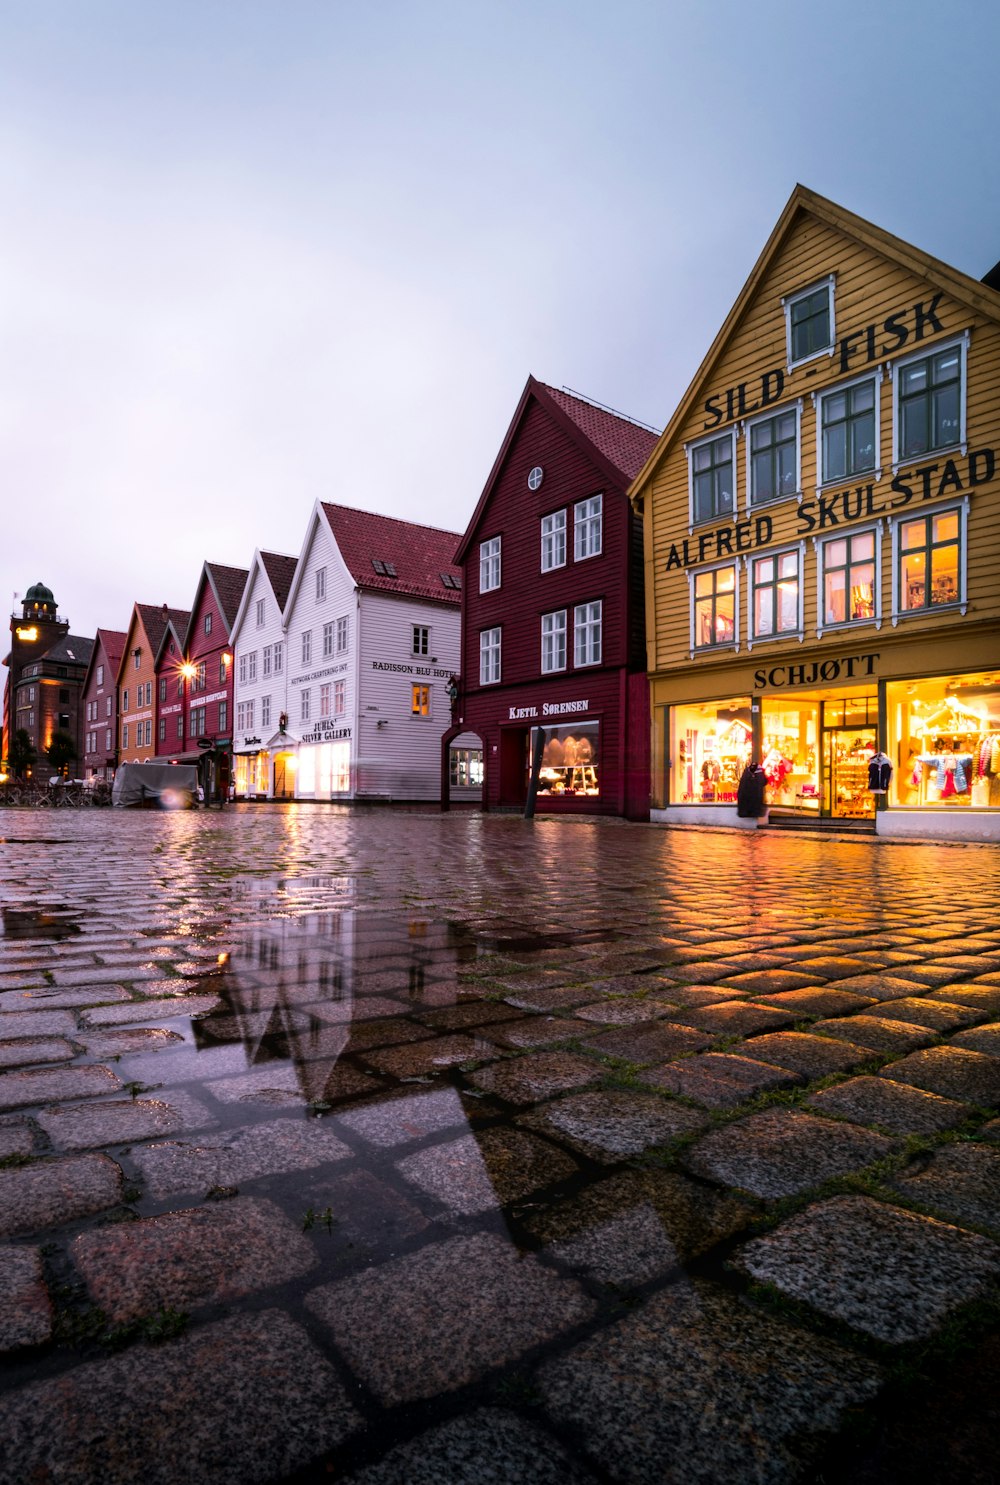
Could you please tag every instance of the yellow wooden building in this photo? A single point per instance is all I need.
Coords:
(822, 543)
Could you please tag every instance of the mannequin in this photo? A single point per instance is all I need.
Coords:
(879, 773)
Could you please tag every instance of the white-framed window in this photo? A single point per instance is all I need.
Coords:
(180, 725)
(243, 670)
(265, 661)
(421, 640)
(847, 430)
(124, 733)
(223, 715)
(208, 623)
(712, 477)
(136, 659)
(773, 464)
(307, 646)
(305, 704)
(327, 640)
(465, 768)
(554, 641)
(109, 706)
(197, 728)
(489, 656)
(100, 675)
(588, 527)
(929, 395)
(343, 634)
(929, 560)
(420, 700)
(320, 584)
(489, 564)
(107, 737)
(252, 665)
(339, 698)
(847, 578)
(810, 322)
(775, 582)
(265, 711)
(279, 655)
(259, 611)
(31, 697)
(587, 636)
(554, 540)
(714, 606)
(324, 699)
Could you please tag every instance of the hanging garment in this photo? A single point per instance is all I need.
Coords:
(750, 794)
(879, 773)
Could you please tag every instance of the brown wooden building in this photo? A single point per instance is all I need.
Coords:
(100, 706)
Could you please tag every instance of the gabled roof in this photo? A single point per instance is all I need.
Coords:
(414, 559)
(69, 649)
(973, 292)
(617, 446)
(153, 618)
(110, 643)
(227, 584)
(280, 571)
(176, 628)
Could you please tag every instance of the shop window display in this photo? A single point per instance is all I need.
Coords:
(790, 756)
(944, 739)
(711, 747)
(570, 760)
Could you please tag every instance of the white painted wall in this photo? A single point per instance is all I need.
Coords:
(248, 639)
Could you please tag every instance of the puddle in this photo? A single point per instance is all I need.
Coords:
(24, 923)
(535, 943)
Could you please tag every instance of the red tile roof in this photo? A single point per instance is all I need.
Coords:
(626, 444)
(280, 572)
(420, 555)
(113, 641)
(229, 584)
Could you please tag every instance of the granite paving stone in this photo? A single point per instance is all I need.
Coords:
(47, 1193)
(285, 1083)
(149, 1010)
(697, 995)
(488, 1445)
(25, 1306)
(832, 966)
(960, 1182)
(555, 998)
(622, 1012)
(433, 1055)
(936, 1015)
(887, 1272)
(27, 1053)
(737, 1018)
(206, 1255)
(49, 998)
(933, 975)
(237, 1155)
(609, 1126)
(648, 1044)
(719, 1080)
(471, 1013)
(539, 1031)
(84, 1126)
(465, 1306)
(129, 1042)
(538, 1075)
(627, 1249)
(771, 981)
(808, 1056)
(825, 1001)
(479, 1173)
(781, 1152)
(891, 1106)
(985, 998)
(693, 1386)
(30, 1025)
(16, 1139)
(19, 1090)
(402, 1118)
(366, 1214)
(694, 1217)
(143, 1415)
(95, 975)
(883, 1037)
(880, 987)
(954, 1072)
(979, 1039)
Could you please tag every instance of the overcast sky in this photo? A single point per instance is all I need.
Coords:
(254, 253)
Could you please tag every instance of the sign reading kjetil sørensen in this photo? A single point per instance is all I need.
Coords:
(547, 709)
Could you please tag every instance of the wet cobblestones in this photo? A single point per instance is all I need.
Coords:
(390, 1147)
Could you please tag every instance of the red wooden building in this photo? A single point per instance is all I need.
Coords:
(170, 688)
(209, 671)
(553, 621)
(100, 706)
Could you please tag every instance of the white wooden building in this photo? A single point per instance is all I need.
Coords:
(371, 640)
(262, 753)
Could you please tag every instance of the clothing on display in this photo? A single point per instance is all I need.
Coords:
(879, 773)
(750, 794)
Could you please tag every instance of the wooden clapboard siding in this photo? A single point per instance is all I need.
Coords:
(875, 277)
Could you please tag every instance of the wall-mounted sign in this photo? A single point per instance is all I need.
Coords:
(547, 709)
(318, 675)
(322, 734)
(846, 668)
(30, 633)
(402, 669)
(251, 742)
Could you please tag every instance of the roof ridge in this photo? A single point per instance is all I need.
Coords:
(396, 520)
(603, 407)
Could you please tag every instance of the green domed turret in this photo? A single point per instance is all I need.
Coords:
(39, 596)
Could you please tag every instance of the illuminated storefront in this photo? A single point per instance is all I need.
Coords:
(822, 519)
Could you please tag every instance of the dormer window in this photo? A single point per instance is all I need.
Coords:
(384, 569)
(451, 581)
(810, 327)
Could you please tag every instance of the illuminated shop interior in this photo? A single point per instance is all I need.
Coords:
(944, 741)
(712, 744)
(570, 761)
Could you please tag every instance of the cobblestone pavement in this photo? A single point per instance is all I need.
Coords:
(389, 1147)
